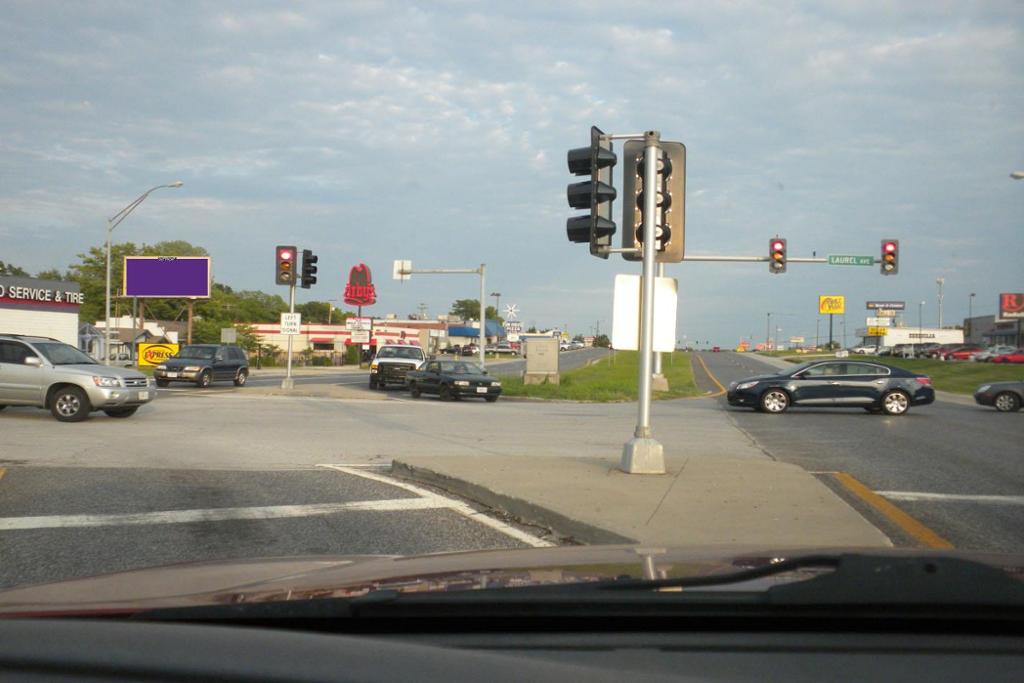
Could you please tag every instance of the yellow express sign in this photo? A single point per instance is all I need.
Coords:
(835, 305)
(154, 354)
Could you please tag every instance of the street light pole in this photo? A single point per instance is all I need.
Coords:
(970, 317)
(112, 223)
(920, 325)
(940, 281)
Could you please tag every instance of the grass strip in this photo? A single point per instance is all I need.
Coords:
(610, 379)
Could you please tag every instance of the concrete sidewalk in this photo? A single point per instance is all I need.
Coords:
(701, 500)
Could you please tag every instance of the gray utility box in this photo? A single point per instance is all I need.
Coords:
(541, 361)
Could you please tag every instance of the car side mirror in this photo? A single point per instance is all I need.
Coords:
(34, 361)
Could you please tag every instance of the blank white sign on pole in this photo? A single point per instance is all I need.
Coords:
(626, 313)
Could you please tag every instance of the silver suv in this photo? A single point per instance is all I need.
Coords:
(47, 373)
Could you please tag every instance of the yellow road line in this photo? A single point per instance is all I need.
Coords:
(721, 389)
(898, 517)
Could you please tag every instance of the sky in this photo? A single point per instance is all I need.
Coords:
(437, 132)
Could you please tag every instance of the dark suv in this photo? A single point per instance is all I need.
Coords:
(202, 364)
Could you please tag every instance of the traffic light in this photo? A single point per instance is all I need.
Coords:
(890, 257)
(309, 260)
(595, 194)
(284, 265)
(670, 222)
(776, 255)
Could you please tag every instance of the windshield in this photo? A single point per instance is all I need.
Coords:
(198, 352)
(368, 279)
(63, 354)
(461, 368)
(408, 352)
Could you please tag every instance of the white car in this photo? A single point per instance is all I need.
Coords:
(866, 349)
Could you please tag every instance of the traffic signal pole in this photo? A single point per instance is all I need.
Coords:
(643, 454)
(288, 382)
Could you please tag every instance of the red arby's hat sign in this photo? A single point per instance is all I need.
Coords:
(359, 291)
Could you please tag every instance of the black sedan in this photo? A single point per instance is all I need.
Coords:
(1006, 397)
(453, 379)
(874, 387)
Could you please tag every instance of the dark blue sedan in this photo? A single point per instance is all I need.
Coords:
(838, 383)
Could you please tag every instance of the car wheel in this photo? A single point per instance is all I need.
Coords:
(121, 412)
(162, 383)
(895, 403)
(774, 401)
(241, 377)
(2, 407)
(414, 390)
(69, 404)
(1007, 402)
(490, 399)
(204, 379)
(373, 383)
(445, 394)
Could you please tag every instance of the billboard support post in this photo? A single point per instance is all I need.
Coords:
(188, 330)
(288, 382)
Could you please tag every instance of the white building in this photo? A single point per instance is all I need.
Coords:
(46, 308)
(913, 335)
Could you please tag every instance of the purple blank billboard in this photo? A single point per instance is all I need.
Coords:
(167, 276)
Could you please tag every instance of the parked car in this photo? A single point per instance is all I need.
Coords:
(1006, 397)
(864, 349)
(937, 351)
(874, 387)
(453, 379)
(963, 353)
(47, 373)
(884, 351)
(922, 350)
(991, 352)
(1015, 356)
(392, 364)
(203, 364)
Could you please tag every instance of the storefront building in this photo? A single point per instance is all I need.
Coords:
(45, 308)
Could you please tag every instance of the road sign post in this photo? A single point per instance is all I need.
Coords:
(291, 323)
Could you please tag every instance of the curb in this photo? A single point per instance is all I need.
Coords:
(516, 507)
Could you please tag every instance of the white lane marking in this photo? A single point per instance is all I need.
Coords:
(451, 504)
(951, 497)
(214, 514)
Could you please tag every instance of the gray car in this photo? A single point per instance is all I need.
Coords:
(47, 373)
(1006, 397)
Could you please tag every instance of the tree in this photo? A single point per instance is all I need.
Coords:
(314, 311)
(602, 341)
(469, 309)
(11, 269)
(532, 330)
(51, 274)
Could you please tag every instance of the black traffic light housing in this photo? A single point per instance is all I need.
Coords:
(890, 257)
(596, 194)
(776, 255)
(284, 265)
(670, 223)
(309, 269)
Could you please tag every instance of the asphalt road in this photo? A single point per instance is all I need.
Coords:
(62, 523)
(957, 468)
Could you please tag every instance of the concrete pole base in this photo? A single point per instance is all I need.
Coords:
(642, 456)
(288, 383)
(659, 383)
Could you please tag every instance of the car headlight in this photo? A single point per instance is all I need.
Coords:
(192, 368)
(161, 367)
(495, 384)
(461, 383)
(983, 388)
(746, 385)
(373, 366)
(106, 381)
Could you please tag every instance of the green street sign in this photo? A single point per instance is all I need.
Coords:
(845, 260)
